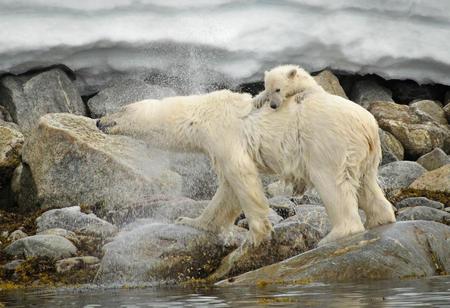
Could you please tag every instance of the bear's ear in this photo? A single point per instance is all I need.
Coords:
(292, 73)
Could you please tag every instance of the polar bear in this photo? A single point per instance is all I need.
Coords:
(313, 138)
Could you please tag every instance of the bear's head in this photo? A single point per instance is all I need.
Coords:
(285, 81)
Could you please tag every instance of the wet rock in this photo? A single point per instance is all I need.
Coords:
(419, 201)
(128, 91)
(73, 163)
(71, 236)
(399, 174)
(76, 263)
(161, 251)
(424, 213)
(330, 83)
(52, 246)
(16, 235)
(402, 250)
(391, 148)
(27, 98)
(434, 159)
(437, 180)
(366, 91)
(11, 141)
(73, 219)
(431, 109)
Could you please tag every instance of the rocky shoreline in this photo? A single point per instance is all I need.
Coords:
(78, 206)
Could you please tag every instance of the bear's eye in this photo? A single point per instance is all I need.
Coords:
(277, 90)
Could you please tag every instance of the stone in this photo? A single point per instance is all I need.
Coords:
(283, 206)
(51, 246)
(128, 91)
(27, 98)
(366, 91)
(447, 112)
(434, 159)
(24, 189)
(12, 265)
(405, 91)
(403, 250)
(71, 236)
(16, 235)
(424, 213)
(273, 217)
(330, 83)
(437, 180)
(72, 219)
(391, 148)
(74, 163)
(11, 142)
(399, 174)
(76, 263)
(311, 196)
(4, 115)
(431, 109)
(161, 252)
(419, 201)
(279, 188)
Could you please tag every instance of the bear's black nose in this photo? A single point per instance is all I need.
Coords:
(104, 125)
(273, 105)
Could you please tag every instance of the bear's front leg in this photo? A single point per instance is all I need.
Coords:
(259, 100)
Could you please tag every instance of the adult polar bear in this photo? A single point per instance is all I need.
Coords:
(313, 137)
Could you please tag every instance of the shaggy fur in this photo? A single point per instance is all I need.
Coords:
(313, 138)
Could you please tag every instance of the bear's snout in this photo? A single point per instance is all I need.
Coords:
(273, 105)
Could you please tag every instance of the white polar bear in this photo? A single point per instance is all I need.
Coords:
(315, 138)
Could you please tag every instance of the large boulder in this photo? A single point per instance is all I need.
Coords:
(330, 83)
(424, 213)
(437, 180)
(391, 148)
(366, 91)
(430, 109)
(73, 163)
(51, 246)
(11, 141)
(434, 159)
(412, 249)
(29, 97)
(161, 252)
(73, 219)
(399, 174)
(128, 91)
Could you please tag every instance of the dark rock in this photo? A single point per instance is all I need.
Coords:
(392, 150)
(405, 91)
(419, 201)
(52, 246)
(366, 91)
(434, 159)
(24, 189)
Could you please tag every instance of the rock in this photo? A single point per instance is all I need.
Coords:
(51, 246)
(366, 91)
(16, 235)
(330, 83)
(416, 132)
(391, 148)
(424, 213)
(71, 236)
(73, 163)
(279, 188)
(434, 159)
(431, 109)
(447, 112)
(419, 201)
(72, 219)
(76, 263)
(313, 215)
(27, 98)
(11, 141)
(282, 206)
(273, 217)
(24, 189)
(128, 91)
(309, 197)
(437, 180)
(405, 91)
(12, 265)
(403, 250)
(4, 114)
(399, 174)
(160, 251)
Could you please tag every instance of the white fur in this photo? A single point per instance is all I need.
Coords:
(314, 138)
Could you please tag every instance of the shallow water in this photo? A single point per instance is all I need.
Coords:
(434, 292)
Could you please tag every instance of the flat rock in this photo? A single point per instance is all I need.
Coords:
(73, 219)
(330, 83)
(128, 91)
(391, 148)
(366, 91)
(431, 109)
(161, 252)
(424, 213)
(28, 97)
(11, 142)
(414, 249)
(437, 180)
(73, 163)
(51, 246)
(399, 174)
(419, 201)
(434, 159)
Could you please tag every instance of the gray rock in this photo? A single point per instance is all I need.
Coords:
(273, 217)
(112, 98)
(24, 188)
(158, 251)
(11, 141)
(330, 83)
(16, 235)
(399, 174)
(73, 163)
(52, 246)
(419, 201)
(27, 98)
(279, 188)
(447, 112)
(12, 265)
(413, 249)
(309, 197)
(434, 159)
(73, 219)
(431, 109)
(424, 213)
(283, 206)
(366, 91)
(71, 236)
(391, 148)
(4, 114)
(437, 180)
(76, 263)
